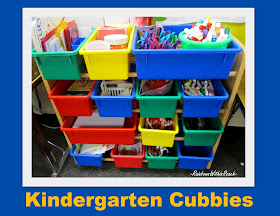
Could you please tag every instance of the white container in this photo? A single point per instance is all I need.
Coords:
(117, 41)
(97, 45)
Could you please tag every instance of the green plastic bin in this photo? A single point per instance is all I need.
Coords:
(190, 44)
(163, 162)
(158, 106)
(64, 65)
(203, 137)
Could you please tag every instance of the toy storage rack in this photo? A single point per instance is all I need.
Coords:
(231, 84)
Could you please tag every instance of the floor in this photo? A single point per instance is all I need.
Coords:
(230, 157)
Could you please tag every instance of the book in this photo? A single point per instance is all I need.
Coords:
(47, 39)
(80, 87)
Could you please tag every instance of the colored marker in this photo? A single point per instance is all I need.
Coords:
(211, 87)
(191, 90)
(205, 87)
(206, 21)
(214, 39)
(222, 35)
(205, 32)
(210, 33)
(217, 29)
(227, 30)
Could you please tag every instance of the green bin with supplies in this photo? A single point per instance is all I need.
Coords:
(162, 162)
(158, 106)
(203, 137)
(63, 65)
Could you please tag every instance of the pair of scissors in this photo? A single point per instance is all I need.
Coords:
(168, 32)
(174, 45)
(162, 34)
(144, 42)
(145, 45)
(170, 36)
(164, 45)
(160, 45)
(155, 44)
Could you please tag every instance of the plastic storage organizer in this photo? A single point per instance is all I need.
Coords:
(197, 156)
(183, 63)
(157, 137)
(71, 105)
(123, 135)
(127, 161)
(65, 65)
(204, 106)
(86, 159)
(113, 106)
(158, 106)
(108, 64)
(203, 137)
(162, 162)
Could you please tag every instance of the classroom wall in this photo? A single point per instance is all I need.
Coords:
(238, 30)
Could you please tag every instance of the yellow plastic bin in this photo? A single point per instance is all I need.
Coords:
(108, 64)
(157, 137)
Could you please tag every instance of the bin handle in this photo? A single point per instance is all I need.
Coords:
(220, 103)
(88, 59)
(188, 104)
(70, 60)
(225, 58)
(38, 61)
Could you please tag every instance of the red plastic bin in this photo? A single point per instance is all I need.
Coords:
(123, 135)
(71, 105)
(128, 161)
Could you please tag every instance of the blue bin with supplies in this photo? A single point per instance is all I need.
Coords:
(204, 106)
(86, 159)
(183, 63)
(77, 43)
(113, 106)
(194, 157)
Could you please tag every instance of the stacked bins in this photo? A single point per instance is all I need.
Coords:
(108, 64)
(86, 159)
(163, 162)
(114, 65)
(71, 105)
(113, 106)
(194, 157)
(101, 135)
(211, 63)
(66, 65)
(158, 137)
(184, 63)
(127, 161)
(209, 107)
(158, 106)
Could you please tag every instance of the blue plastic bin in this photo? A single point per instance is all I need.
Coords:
(86, 159)
(198, 156)
(113, 106)
(77, 43)
(183, 63)
(204, 106)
